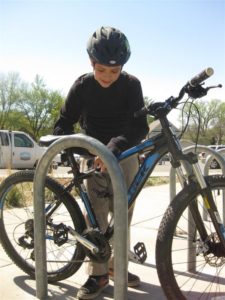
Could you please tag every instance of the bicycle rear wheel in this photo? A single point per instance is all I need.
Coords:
(189, 268)
(64, 254)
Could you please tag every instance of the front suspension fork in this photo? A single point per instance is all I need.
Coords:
(210, 206)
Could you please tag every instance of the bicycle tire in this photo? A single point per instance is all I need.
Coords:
(16, 208)
(202, 276)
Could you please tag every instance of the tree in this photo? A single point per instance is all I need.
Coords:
(9, 95)
(218, 124)
(147, 101)
(39, 106)
(207, 117)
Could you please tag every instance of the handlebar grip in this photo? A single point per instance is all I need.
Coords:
(201, 77)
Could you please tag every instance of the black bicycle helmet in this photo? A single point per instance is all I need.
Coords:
(108, 46)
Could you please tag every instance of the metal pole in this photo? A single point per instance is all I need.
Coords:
(120, 210)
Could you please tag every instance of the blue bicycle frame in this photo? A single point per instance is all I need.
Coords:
(154, 149)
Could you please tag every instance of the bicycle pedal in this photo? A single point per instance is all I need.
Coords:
(139, 255)
(140, 252)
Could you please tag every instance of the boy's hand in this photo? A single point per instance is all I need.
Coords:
(98, 164)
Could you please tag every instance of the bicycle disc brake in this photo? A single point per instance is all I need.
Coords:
(215, 256)
(101, 242)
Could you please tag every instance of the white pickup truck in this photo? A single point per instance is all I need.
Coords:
(18, 150)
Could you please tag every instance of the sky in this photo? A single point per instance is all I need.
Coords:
(170, 40)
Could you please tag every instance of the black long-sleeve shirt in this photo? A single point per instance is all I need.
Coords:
(106, 114)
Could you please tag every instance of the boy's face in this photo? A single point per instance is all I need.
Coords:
(106, 75)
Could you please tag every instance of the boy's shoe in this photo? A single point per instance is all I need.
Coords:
(133, 280)
(93, 287)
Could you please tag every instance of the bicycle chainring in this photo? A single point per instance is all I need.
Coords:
(97, 238)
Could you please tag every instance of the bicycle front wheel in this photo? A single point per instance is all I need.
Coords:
(189, 268)
(64, 254)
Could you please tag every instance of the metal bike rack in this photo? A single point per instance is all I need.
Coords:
(220, 159)
(206, 172)
(120, 211)
(200, 148)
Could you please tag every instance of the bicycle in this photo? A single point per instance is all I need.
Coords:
(69, 242)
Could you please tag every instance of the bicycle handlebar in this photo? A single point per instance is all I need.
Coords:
(193, 88)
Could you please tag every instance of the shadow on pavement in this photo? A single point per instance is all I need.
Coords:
(67, 291)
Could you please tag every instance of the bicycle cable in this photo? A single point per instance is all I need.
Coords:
(189, 115)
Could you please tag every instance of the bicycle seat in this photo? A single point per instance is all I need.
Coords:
(47, 140)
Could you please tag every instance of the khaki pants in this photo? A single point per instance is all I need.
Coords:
(99, 189)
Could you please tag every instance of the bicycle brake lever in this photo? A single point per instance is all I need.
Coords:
(214, 87)
(198, 91)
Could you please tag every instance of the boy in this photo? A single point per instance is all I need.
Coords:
(105, 101)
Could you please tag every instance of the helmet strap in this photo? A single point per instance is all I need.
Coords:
(92, 62)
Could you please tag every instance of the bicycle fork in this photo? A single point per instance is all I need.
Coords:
(210, 204)
(196, 221)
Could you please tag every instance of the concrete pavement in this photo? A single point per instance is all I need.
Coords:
(149, 208)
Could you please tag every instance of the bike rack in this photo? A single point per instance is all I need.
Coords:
(220, 159)
(120, 211)
(206, 172)
(200, 148)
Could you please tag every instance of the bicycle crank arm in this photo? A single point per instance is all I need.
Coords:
(133, 257)
(92, 247)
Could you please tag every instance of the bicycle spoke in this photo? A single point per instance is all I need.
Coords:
(64, 255)
(197, 267)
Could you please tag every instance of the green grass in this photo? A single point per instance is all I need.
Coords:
(152, 181)
(14, 198)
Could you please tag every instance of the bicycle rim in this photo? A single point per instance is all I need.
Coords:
(64, 256)
(185, 269)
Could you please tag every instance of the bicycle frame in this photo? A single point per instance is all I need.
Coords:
(154, 149)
